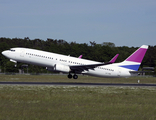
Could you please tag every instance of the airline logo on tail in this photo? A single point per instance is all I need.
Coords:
(133, 61)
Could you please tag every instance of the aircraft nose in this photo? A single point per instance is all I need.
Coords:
(5, 53)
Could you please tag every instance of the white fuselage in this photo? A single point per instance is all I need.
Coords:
(49, 60)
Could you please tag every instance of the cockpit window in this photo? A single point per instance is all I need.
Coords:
(12, 50)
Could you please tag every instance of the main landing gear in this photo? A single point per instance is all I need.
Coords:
(74, 76)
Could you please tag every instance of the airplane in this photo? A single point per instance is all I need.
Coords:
(18, 56)
(67, 64)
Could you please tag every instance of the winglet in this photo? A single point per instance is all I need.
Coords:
(114, 58)
(80, 56)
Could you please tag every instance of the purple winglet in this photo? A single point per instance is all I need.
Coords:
(80, 56)
(114, 58)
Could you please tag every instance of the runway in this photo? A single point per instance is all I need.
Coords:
(77, 84)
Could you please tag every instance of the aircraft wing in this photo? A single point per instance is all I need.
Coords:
(80, 68)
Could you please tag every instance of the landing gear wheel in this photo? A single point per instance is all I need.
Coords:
(69, 76)
(75, 76)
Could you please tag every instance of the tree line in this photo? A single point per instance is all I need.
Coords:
(98, 52)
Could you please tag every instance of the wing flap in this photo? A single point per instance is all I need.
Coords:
(81, 68)
(87, 67)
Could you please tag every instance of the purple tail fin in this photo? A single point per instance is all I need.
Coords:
(138, 55)
(133, 61)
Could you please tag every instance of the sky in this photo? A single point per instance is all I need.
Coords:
(122, 22)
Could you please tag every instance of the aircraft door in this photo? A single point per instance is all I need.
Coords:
(119, 72)
(22, 52)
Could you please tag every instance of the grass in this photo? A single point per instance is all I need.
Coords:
(81, 79)
(76, 103)
(22, 102)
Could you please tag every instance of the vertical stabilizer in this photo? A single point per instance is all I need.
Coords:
(138, 55)
(133, 61)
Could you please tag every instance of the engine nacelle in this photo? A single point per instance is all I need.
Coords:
(59, 68)
(50, 68)
(62, 68)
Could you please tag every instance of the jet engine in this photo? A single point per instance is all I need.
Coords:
(60, 68)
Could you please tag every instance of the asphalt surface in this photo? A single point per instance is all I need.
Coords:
(77, 84)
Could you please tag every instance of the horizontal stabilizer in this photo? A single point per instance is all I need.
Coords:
(141, 71)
